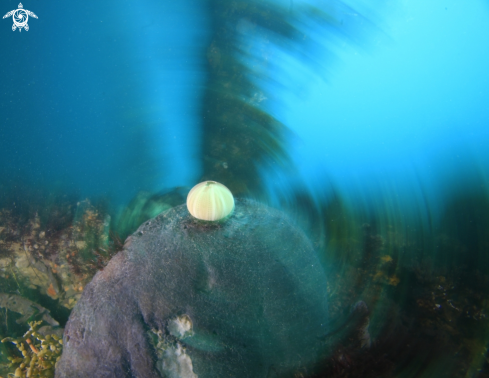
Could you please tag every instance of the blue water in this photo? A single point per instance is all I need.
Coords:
(106, 98)
(102, 98)
(406, 109)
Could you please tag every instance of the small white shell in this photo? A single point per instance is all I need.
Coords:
(181, 326)
(210, 201)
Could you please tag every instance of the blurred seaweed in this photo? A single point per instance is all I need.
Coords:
(425, 287)
(144, 206)
(241, 136)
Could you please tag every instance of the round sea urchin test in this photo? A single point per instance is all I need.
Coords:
(210, 201)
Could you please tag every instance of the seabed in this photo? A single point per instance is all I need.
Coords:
(391, 316)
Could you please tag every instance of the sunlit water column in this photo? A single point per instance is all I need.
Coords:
(404, 115)
(166, 40)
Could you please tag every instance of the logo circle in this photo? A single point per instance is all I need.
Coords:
(20, 18)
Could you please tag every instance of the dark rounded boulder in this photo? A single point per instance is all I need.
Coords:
(242, 298)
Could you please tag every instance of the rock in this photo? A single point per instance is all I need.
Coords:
(25, 307)
(187, 298)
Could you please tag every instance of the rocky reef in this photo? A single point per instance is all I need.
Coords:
(188, 298)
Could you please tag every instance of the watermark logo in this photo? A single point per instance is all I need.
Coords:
(20, 17)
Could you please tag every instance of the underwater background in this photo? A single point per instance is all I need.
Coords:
(366, 122)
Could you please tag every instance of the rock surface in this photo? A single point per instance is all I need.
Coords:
(185, 298)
